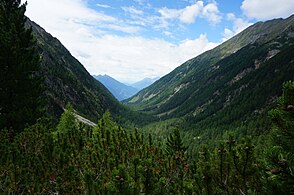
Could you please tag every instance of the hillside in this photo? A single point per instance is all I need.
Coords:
(67, 81)
(228, 84)
(118, 89)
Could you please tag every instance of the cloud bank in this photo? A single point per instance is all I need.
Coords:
(267, 9)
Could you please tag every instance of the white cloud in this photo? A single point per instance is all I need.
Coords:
(231, 16)
(133, 58)
(103, 5)
(192, 48)
(167, 33)
(169, 13)
(227, 34)
(239, 24)
(65, 9)
(211, 12)
(186, 15)
(128, 58)
(189, 14)
(133, 10)
(58, 15)
(143, 3)
(123, 28)
(267, 9)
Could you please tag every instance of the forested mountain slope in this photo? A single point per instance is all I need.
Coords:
(232, 82)
(67, 81)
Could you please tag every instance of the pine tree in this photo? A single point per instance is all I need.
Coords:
(174, 143)
(19, 62)
(283, 118)
(281, 156)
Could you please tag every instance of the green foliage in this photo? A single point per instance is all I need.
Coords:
(175, 144)
(283, 118)
(19, 82)
(280, 157)
(67, 120)
(73, 158)
(228, 89)
(105, 159)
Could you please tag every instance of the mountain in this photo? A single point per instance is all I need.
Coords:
(144, 83)
(232, 83)
(66, 80)
(118, 89)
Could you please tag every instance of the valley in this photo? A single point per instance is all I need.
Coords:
(228, 89)
(220, 123)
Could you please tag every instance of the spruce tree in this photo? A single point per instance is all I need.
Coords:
(19, 62)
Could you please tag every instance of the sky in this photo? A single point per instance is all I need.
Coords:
(134, 39)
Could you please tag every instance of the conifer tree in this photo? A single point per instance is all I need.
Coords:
(174, 143)
(19, 63)
(281, 155)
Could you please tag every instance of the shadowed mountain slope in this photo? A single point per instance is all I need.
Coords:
(66, 80)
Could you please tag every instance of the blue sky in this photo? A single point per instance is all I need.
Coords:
(176, 30)
(133, 39)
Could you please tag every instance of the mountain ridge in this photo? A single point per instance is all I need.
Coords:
(205, 86)
(67, 81)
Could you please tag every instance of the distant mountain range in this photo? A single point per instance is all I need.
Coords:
(123, 91)
(120, 90)
(144, 83)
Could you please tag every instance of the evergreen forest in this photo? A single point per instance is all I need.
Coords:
(129, 151)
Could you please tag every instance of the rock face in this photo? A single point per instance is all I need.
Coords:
(66, 80)
(232, 81)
